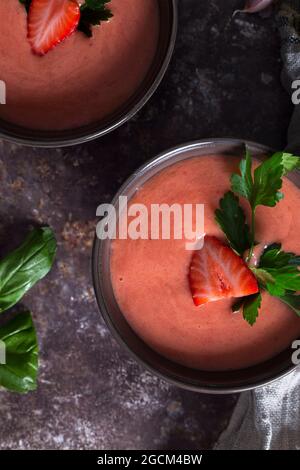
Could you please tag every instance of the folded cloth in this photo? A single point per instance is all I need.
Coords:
(269, 417)
(289, 26)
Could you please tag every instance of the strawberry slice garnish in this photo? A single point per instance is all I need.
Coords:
(216, 272)
(50, 22)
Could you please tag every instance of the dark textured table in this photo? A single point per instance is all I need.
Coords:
(224, 80)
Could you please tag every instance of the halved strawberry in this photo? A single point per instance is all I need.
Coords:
(216, 272)
(50, 22)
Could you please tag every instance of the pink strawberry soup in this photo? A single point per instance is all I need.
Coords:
(150, 277)
(82, 80)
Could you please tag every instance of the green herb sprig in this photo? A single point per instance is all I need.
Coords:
(92, 13)
(19, 271)
(278, 271)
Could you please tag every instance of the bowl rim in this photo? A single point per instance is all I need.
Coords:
(124, 115)
(96, 271)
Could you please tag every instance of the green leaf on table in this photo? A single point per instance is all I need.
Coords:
(18, 339)
(93, 12)
(26, 265)
(251, 308)
(231, 219)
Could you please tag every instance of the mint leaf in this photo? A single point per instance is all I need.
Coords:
(19, 349)
(26, 265)
(93, 12)
(251, 307)
(231, 219)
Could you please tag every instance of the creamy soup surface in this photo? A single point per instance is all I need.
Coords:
(150, 277)
(81, 80)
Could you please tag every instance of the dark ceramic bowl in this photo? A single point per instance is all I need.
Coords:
(191, 379)
(168, 30)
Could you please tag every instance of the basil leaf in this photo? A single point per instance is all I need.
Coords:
(29, 263)
(251, 307)
(19, 350)
(231, 219)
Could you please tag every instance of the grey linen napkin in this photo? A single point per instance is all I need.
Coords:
(269, 417)
(289, 26)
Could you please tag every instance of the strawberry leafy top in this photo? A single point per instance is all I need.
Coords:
(278, 271)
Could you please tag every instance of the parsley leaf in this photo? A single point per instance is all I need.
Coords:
(292, 301)
(26, 3)
(243, 184)
(251, 307)
(282, 269)
(274, 257)
(231, 219)
(93, 12)
(290, 162)
(264, 187)
(262, 276)
(278, 270)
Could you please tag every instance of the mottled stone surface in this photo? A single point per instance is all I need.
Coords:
(224, 80)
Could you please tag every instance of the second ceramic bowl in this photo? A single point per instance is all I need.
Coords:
(167, 37)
